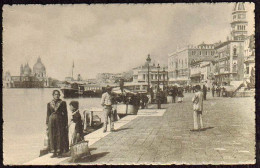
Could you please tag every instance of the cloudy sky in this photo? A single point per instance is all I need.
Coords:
(108, 38)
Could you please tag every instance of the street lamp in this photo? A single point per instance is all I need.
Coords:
(148, 60)
(158, 68)
(158, 95)
(163, 78)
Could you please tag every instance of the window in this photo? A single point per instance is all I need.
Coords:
(235, 51)
(152, 76)
(247, 69)
(206, 52)
(200, 52)
(143, 76)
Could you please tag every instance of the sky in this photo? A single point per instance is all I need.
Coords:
(108, 38)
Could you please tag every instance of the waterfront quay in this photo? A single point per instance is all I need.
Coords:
(165, 137)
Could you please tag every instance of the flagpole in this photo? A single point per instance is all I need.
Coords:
(72, 69)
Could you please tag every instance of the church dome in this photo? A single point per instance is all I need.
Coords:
(239, 6)
(38, 66)
(27, 70)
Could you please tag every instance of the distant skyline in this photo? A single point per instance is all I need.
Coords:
(108, 38)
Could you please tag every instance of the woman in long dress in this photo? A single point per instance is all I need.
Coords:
(57, 123)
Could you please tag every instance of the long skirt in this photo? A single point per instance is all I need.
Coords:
(55, 138)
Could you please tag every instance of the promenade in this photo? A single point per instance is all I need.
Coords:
(228, 137)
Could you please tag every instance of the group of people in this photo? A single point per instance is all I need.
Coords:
(58, 125)
(220, 91)
(176, 92)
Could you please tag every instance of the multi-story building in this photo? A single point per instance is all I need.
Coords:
(140, 76)
(249, 57)
(230, 54)
(239, 22)
(179, 61)
(202, 71)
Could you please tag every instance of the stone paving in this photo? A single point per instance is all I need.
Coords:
(228, 137)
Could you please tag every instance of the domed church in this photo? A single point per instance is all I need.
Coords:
(39, 71)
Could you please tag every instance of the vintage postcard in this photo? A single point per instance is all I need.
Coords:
(129, 84)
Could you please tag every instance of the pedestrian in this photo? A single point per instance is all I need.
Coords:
(180, 95)
(158, 98)
(106, 102)
(170, 94)
(57, 125)
(174, 93)
(198, 108)
(146, 100)
(213, 90)
(77, 134)
(204, 92)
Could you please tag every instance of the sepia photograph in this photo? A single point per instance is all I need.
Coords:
(129, 84)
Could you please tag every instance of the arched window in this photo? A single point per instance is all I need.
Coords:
(235, 51)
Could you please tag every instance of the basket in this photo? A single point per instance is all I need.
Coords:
(79, 150)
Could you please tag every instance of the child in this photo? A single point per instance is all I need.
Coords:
(77, 135)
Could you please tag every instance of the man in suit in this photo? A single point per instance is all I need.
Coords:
(213, 90)
(107, 102)
(204, 92)
(198, 108)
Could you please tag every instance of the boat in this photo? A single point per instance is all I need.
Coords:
(71, 89)
(80, 89)
(91, 90)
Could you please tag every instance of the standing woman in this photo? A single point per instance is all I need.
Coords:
(57, 123)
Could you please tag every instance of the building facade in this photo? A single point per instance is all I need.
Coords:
(140, 76)
(249, 59)
(179, 62)
(202, 71)
(230, 54)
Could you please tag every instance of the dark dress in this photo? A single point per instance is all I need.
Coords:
(57, 121)
(76, 118)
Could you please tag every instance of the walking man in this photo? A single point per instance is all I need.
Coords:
(106, 102)
(204, 92)
(198, 108)
(213, 90)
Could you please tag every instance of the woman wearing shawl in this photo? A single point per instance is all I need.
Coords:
(57, 123)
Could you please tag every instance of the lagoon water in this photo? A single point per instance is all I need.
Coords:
(24, 115)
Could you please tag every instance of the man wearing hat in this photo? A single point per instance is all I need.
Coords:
(106, 102)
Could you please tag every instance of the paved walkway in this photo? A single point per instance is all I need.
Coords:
(229, 136)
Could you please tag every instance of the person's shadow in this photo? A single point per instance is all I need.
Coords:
(91, 158)
(206, 128)
(121, 129)
(203, 129)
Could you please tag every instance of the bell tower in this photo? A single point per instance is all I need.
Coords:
(239, 22)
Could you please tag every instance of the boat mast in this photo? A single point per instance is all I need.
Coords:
(72, 70)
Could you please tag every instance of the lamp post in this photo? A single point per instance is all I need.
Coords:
(163, 78)
(158, 82)
(148, 60)
(158, 95)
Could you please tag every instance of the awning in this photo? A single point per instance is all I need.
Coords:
(195, 75)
